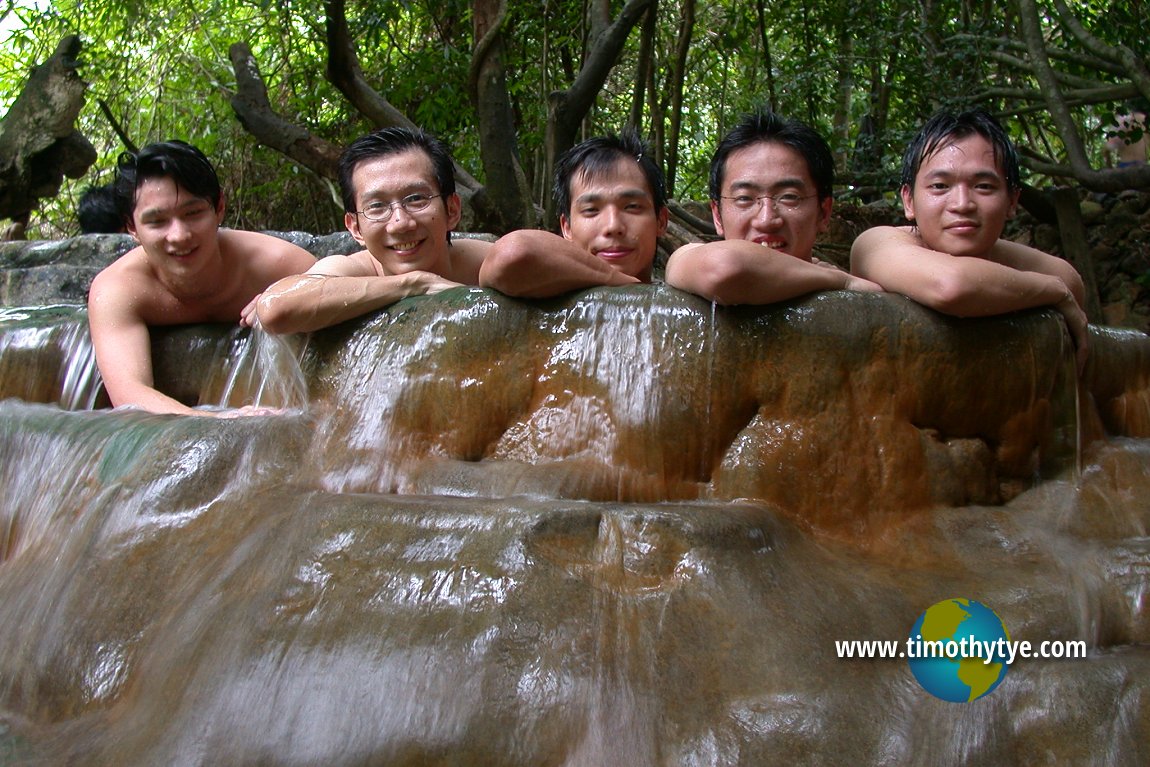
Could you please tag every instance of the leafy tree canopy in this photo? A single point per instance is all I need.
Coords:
(865, 75)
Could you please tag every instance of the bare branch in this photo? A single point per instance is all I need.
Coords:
(1059, 54)
(255, 113)
(344, 72)
(1099, 95)
(1107, 180)
(1134, 66)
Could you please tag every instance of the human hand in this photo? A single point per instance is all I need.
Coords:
(1077, 325)
(429, 283)
(245, 411)
(248, 317)
(864, 286)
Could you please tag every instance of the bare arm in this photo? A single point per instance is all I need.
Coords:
(966, 286)
(742, 272)
(271, 259)
(124, 352)
(336, 289)
(532, 263)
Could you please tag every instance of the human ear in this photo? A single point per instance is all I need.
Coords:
(907, 202)
(825, 213)
(717, 218)
(454, 211)
(351, 221)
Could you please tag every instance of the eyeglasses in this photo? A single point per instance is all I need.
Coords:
(381, 211)
(787, 201)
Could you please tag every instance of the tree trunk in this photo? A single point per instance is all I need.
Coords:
(507, 185)
(255, 113)
(1076, 249)
(678, 73)
(566, 109)
(39, 143)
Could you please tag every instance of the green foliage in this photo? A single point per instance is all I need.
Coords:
(163, 70)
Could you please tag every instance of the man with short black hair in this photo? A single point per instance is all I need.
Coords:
(400, 204)
(612, 204)
(99, 212)
(960, 185)
(185, 270)
(771, 187)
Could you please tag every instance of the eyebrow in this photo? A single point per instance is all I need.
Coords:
(178, 207)
(378, 193)
(782, 183)
(978, 175)
(626, 194)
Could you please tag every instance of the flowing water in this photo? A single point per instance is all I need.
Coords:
(622, 529)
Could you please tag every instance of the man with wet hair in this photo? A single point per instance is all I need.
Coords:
(400, 204)
(771, 187)
(185, 269)
(612, 204)
(960, 185)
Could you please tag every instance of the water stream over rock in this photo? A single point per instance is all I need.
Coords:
(617, 528)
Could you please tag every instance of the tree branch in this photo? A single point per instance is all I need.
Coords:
(345, 73)
(1098, 95)
(605, 49)
(1135, 67)
(1059, 54)
(255, 113)
(1106, 180)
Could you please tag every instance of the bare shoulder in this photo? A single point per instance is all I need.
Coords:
(878, 236)
(264, 250)
(358, 264)
(126, 289)
(467, 257)
(126, 275)
(882, 245)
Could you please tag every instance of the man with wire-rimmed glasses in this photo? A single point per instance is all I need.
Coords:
(771, 188)
(400, 204)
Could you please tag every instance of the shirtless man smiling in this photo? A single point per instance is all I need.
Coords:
(185, 270)
(960, 184)
(612, 208)
(400, 204)
(770, 186)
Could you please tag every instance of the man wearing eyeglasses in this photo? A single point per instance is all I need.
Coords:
(771, 184)
(400, 204)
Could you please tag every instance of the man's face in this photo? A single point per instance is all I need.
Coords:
(177, 230)
(613, 216)
(960, 202)
(774, 169)
(407, 241)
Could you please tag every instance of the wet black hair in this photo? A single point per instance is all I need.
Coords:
(388, 141)
(765, 125)
(596, 156)
(99, 211)
(177, 160)
(946, 126)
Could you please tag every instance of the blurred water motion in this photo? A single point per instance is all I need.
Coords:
(617, 529)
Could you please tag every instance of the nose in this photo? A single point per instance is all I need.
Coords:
(612, 220)
(961, 197)
(400, 218)
(768, 213)
(178, 230)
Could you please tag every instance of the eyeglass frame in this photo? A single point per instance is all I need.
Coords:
(404, 203)
(776, 201)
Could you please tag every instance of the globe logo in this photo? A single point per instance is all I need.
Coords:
(957, 650)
